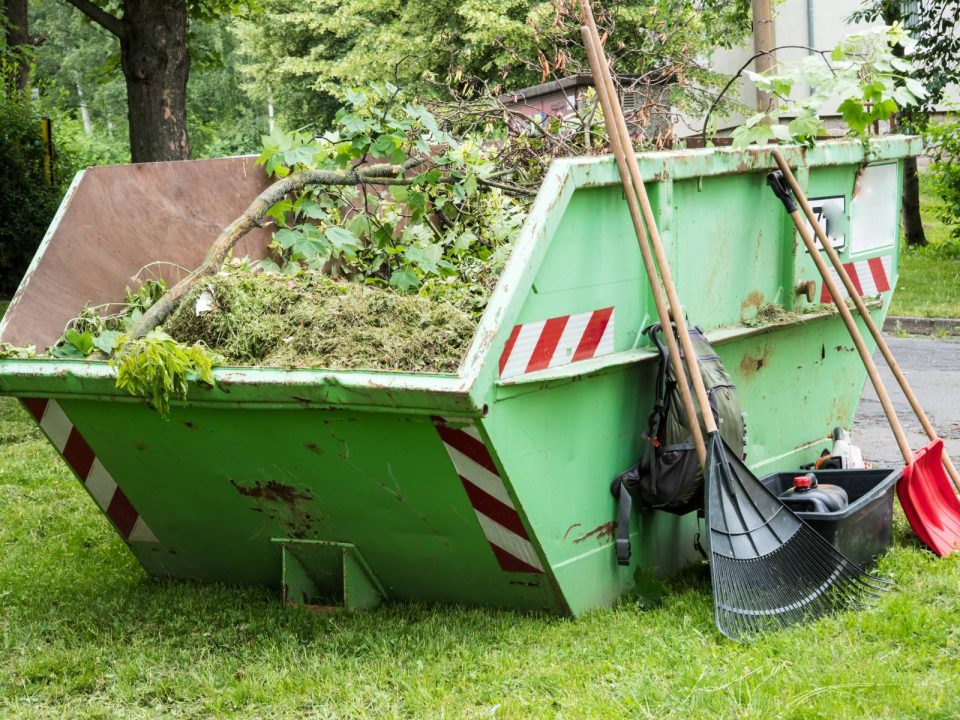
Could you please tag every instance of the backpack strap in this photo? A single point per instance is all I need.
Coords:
(624, 511)
(658, 416)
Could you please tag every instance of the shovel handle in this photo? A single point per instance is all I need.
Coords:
(776, 180)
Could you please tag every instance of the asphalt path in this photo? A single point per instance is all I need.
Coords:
(932, 367)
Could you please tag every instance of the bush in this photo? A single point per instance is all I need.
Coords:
(944, 143)
(27, 201)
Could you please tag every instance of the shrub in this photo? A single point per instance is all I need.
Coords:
(27, 201)
(944, 144)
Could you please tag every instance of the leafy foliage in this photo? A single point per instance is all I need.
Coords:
(934, 52)
(311, 320)
(97, 332)
(944, 142)
(156, 366)
(863, 71)
(159, 368)
(28, 201)
(306, 54)
(438, 204)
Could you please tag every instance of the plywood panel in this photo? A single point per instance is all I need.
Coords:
(120, 218)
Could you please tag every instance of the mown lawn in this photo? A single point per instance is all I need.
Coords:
(86, 634)
(929, 284)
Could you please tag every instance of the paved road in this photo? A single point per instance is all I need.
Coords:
(932, 367)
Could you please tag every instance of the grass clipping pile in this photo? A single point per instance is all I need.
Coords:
(312, 321)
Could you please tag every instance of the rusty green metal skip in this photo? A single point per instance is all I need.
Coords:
(488, 487)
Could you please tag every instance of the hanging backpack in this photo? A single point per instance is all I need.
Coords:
(668, 475)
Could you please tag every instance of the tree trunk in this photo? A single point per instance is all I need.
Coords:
(16, 15)
(912, 223)
(764, 40)
(156, 65)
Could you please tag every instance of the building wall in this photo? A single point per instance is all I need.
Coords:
(793, 27)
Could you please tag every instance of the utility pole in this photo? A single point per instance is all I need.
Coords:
(764, 40)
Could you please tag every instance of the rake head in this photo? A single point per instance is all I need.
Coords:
(769, 569)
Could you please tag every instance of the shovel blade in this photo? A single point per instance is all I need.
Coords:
(928, 500)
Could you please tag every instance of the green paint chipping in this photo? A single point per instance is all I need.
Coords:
(311, 321)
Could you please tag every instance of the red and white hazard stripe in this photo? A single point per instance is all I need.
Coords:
(88, 468)
(869, 277)
(488, 495)
(558, 341)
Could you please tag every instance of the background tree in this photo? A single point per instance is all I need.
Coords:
(16, 43)
(82, 86)
(156, 66)
(304, 54)
(937, 61)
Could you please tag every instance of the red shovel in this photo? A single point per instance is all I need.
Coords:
(925, 493)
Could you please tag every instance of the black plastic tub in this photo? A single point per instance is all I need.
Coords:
(863, 529)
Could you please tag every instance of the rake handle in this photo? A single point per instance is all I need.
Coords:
(848, 320)
(864, 313)
(619, 134)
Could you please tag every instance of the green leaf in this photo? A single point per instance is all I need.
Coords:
(81, 341)
(854, 115)
(343, 240)
(106, 341)
(300, 155)
(424, 257)
(269, 266)
(805, 126)
(278, 211)
(404, 278)
(781, 132)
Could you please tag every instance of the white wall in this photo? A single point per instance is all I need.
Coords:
(830, 25)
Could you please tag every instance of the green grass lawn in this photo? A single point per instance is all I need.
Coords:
(929, 283)
(86, 634)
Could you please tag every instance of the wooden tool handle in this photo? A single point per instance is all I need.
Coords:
(602, 77)
(663, 313)
(851, 324)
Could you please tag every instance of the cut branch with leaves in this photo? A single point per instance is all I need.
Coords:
(863, 71)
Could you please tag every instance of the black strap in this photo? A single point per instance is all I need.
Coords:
(624, 511)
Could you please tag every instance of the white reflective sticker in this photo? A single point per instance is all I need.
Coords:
(874, 209)
(831, 213)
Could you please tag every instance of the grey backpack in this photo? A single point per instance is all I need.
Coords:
(668, 475)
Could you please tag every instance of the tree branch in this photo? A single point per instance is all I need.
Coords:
(101, 17)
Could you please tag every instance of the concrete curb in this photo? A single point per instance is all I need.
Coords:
(923, 326)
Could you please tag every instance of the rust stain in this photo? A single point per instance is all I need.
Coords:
(751, 305)
(527, 583)
(844, 348)
(601, 532)
(570, 529)
(190, 425)
(314, 448)
(280, 502)
(273, 491)
(750, 365)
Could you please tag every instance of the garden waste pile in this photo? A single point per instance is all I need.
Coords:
(313, 321)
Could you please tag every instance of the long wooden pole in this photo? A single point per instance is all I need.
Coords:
(864, 312)
(620, 153)
(618, 126)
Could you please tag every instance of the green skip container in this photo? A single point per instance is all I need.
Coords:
(485, 487)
